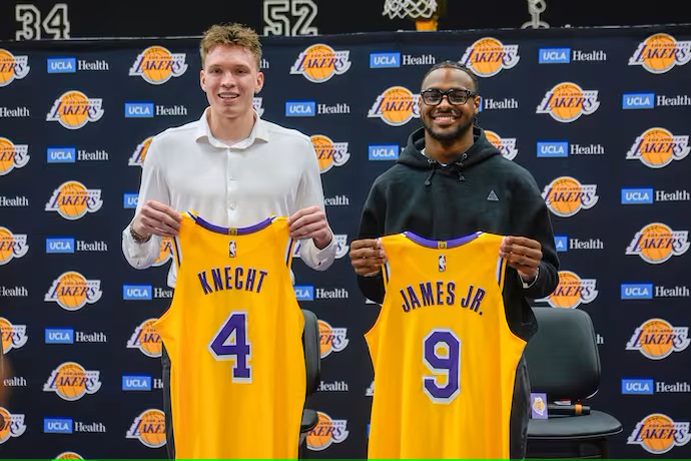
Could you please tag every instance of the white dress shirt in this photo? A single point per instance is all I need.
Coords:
(274, 171)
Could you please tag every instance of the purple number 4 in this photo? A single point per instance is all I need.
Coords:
(230, 343)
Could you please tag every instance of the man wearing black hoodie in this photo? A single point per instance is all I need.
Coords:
(450, 181)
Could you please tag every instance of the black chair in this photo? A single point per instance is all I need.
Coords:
(564, 362)
(310, 343)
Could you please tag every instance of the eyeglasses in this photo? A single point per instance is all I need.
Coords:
(434, 96)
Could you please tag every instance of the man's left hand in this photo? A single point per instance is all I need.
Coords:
(523, 254)
(311, 223)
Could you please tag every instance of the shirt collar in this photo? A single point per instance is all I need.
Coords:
(260, 131)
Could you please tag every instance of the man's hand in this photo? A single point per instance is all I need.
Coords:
(156, 218)
(310, 223)
(367, 256)
(523, 254)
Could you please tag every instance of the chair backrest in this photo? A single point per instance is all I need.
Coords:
(310, 344)
(563, 358)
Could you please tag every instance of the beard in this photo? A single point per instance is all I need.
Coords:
(449, 135)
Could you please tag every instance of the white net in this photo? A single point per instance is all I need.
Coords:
(414, 9)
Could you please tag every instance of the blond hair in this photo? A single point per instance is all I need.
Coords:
(230, 34)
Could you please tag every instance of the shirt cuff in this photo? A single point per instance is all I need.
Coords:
(527, 285)
(325, 254)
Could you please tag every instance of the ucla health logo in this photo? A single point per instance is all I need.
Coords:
(383, 151)
(301, 108)
(636, 291)
(12, 67)
(72, 200)
(395, 106)
(13, 336)
(149, 428)
(12, 246)
(657, 434)
(14, 424)
(136, 383)
(70, 381)
(329, 153)
(139, 109)
(560, 55)
(64, 65)
(304, 292)
(73, 109)
(327, 432)
(157, 65)
(146, 339)
(638, 101)
(139, 155)
(656, 243)
(331, 339)
(567, 102)
(136, 292)
(488, 56)
(507, 146)
(12, 156)
(657, 147)
(572, 291)
(384, 59)
(660, 53)
(319, 63)
(72, 291)
(566, 196)
(657, 339)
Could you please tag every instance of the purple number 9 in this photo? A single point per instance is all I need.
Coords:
(444, 360)
(230, 343)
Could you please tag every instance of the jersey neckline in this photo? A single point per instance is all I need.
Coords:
(230, 230)
(442, 244)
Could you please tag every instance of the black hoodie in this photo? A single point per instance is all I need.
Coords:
(480, 190)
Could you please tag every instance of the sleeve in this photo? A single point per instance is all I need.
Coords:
(532, 219)
(372, 226)
(152, 187)
(310, 193)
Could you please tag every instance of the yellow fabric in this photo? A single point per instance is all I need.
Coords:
(429, 320)
(222, 407)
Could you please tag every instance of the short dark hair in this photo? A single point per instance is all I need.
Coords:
(448, 64)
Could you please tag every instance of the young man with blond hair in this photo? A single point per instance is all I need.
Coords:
(230, 166)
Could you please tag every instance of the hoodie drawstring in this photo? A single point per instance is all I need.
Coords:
(459, 164)
(432, 162)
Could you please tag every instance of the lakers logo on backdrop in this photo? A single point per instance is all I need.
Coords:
(657, 339)
(257, 103)
(658, 147)
(656, 243)
(69, 455)
(566, 196)
(488, 56)
(13, 425)
(659, 53)
(13, 336)
(657, 433)
(139, 155)
(572, 291)
(149, 428)
(72, 200)
(566, 102)
(74, 109)
(12, 67)
(329, 153)
(11, 245)
(396, 106)
(319, 62)
(146, 339)
(341, 242)
(157, 65)
(331, 339)
(70, 381)
(12, 156)
(507, 146)
(327, 432)
(72, 291)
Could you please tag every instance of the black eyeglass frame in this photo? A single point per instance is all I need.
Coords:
(466, 94)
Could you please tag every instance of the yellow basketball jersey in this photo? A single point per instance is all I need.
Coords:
(444, 357)
(234, 336)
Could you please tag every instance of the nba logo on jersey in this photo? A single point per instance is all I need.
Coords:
(231, 248)
(441, 263)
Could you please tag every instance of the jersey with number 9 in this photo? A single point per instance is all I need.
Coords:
(444, 357)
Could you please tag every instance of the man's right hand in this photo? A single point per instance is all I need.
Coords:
(156, 218)
(367, 256)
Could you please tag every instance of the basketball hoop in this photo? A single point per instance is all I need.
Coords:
(423, 12)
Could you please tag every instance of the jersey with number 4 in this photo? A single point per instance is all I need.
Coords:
(234, 336)
(444, 357)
